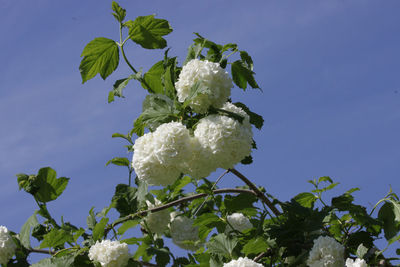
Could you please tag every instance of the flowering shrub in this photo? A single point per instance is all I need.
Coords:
(188, 129)
(110, 253)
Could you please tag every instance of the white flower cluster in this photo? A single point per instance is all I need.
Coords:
(110, 253)
(210, 75)
(238, 221)
(224, 140)
(184, 234)
(326, 252)
(158, 221)
(159, 155)
(242, 262)
(219, 142)
(356, 263)
(7, 246)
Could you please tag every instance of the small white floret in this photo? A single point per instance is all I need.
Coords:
(356, 263)
(238, 221)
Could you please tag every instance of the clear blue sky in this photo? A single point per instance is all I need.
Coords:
(329, 71)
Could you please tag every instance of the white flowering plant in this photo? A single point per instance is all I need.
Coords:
(189, 128)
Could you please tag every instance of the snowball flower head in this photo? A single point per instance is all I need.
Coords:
(212, 76)
(110, 253)
(157, 221)
(226, 140)
(238, 221)
(356, 263)
(242, 262)
(184, 234)
(7, 246)
(326, 252)
(157, 156)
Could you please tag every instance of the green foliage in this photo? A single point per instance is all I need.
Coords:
(147, 31)
(281, 236)
(99, 56)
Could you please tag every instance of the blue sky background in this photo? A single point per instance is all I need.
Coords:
(329, 71)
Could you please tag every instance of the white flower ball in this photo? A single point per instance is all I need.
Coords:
(356, 263)
(199, 164)
(110, 253)
(157, 221)
(7, 246)
(326, 252)
(157, 156)
(242, 262)
(184, 234)
(239, 222)
(212, 76)
(226, 140)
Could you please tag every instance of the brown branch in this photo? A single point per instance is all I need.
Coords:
(42, 251)
(259, 194)
(176, 202)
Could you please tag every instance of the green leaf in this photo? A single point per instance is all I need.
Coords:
(179, 184)
(119, 162)
(91, 219)
(306, 199)
(242, 75)
(255, 119)
(98, 230)
(197, 89)
(56, 238)
(343, 202)
(222, 245)
(65, 261)
(325, 179)
(99, 56)
(240, 202)
(124, 200)
(127, 225)
(255, 246)
(119, 85)
(387, 215)
(162, 255)
(361, 251)
(193, 52)
(148, 31)
(157, 109)
(120, 13)
(24, 235)
(246, 58)
(152, 78)
(396, 209)
(119, 135)
(50, 187)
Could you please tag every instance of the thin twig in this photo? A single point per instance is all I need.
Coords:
(257, 191)
(42, 251)
(212, 188)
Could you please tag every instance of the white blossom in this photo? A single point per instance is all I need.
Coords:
(184, 234)
(109, 253)
(157, 221)
(238, 221)
(7, 246)
(242, 262)
(212, 76)
(158, 156)
(225, 140)
(356, 263)
(326, 252)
